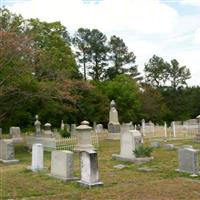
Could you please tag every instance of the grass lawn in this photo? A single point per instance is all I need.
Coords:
(16, 182)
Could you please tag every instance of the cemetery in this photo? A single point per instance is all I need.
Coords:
(91, 164)
(84, 116)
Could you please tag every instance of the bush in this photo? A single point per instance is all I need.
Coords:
(143, 151)
(65, 133)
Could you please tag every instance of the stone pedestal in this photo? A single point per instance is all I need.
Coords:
(84, 136)
(188, 160)
(7, 154)
(62, 165)
(89, 169)
(37, 157)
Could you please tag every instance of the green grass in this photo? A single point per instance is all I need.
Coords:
(16, 182)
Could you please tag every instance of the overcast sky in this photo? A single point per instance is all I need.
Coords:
(167, 28)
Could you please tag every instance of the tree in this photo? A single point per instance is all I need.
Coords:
(156, 71)
(98, 53)
(52, 41)
(123, 62)
(178, 75)
(81, 42)
(125, 91)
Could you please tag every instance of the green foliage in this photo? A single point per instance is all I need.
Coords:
(125, 91)
(64, 133)
(143, 151)
(123, 61)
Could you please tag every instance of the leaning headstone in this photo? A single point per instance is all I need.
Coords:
(62, 165)
(84, 137)
(113, 125)
(188, 160)
(89, 169)
(37, 157)
(7, 154)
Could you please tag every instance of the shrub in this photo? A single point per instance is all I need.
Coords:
(143, 151)
(65, 133)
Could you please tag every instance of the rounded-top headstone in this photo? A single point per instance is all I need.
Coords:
(198, 117)
(47, 125)
(84, 126)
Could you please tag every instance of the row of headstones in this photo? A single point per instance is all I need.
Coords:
(62, 161)
(62, 165)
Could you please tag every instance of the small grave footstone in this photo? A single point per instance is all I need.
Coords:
(145, 169)
(155, 144)
(7, 154)
(120, 166)
(62, 165)
(188, 160)
(89, 169)
(169, 146)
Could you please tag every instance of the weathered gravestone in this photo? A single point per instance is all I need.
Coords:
(130, 140)
(73, 129)
(84, 137)
(47, 130)
(62, 126)
(113, 125)
(155, 144)
(169, 146)
(15, 134)
(89, 169)
(7, 153)
(99, 128)
(188, 160)
(37, 157)
(62, 165)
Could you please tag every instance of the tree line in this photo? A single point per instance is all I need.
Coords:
(45, 71)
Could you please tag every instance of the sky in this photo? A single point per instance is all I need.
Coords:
(167, 28)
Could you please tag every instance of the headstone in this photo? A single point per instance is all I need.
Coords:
(188, 160)
(73, 129)
(89, 169)
(7, 154)
(1, 133)
(62, 165)
(113, 125)
(37, 124)
(47, 130)
(15, 134)
(197, 138)
(62, 126)
(143, 127)
(99, 128)
(84, 137)
(94, 125)
(56, 134)
(130, 140)
(169, 146)
(37, 157)
(173, 129)
(155, 144)
(67, 127)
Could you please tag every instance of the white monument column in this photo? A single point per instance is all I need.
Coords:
(174, 129)
(37, 157)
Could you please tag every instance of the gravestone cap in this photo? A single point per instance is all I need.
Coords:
(84, 126)
(112, 103)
